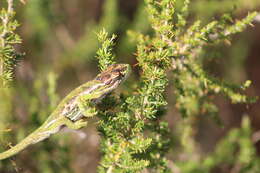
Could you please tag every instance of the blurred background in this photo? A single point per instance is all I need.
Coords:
(60, 42)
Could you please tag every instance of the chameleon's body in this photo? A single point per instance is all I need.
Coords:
(75, 107)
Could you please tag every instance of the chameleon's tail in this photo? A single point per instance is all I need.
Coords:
(37, 136)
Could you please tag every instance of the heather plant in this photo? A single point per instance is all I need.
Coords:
(169, 77)
(8, 38)
(173, 47)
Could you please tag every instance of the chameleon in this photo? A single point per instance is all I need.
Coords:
(76, 107)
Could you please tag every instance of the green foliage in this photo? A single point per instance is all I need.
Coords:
(169, 74)
(173, 47)
(192, 83)
(124, 143)
(8, 39)
(104, 54)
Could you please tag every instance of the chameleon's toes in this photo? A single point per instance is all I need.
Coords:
(81, 123)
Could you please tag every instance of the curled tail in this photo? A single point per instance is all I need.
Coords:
(37, 136)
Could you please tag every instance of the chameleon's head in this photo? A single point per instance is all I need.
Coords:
(114, 75)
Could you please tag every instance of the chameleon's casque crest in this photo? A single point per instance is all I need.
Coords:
(114, 73)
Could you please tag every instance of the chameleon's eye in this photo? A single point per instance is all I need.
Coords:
(119, 71)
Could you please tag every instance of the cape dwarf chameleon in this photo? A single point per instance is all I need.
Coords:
(75, 107)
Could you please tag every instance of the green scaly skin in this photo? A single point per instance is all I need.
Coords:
(74, 109)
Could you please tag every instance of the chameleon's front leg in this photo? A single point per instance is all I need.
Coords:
(86, 107)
